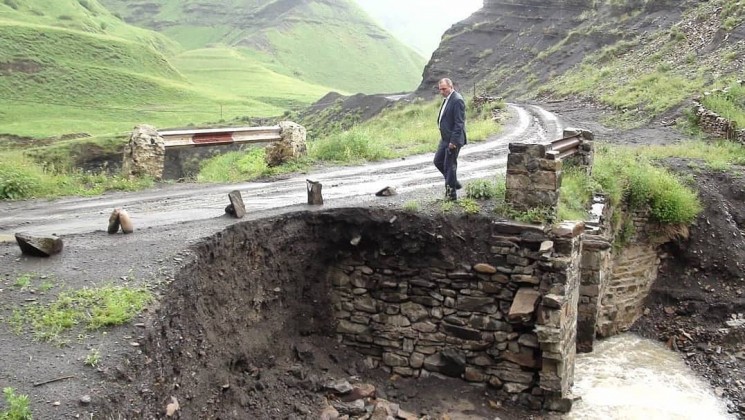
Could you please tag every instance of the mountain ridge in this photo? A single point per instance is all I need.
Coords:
(641, 57)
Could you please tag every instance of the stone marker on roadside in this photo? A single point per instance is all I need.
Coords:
(126, 222)
(114, 222)
(386, 192)
(315, 197)
(236, 208)
(39, 246)
(120, 218)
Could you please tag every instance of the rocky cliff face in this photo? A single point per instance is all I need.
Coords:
(510, 47)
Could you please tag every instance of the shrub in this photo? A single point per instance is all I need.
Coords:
(18, 406)
(18, 181)
(350, 146)
(11, 3)
(484, 189)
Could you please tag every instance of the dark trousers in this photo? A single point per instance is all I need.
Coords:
(446, 161)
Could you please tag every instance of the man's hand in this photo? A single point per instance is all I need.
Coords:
(451, 146)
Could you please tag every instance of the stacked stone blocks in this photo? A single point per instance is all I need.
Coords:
(534, 171)
(508, 321)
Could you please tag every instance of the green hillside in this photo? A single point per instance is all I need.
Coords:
(327, 42)
(70, 66)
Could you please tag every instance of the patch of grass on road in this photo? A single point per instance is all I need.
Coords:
(91, 308)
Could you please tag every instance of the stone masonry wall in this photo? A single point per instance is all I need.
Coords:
(633, 273)
(508, 320)
(534, 171)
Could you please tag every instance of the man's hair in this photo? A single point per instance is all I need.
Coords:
(447, 81)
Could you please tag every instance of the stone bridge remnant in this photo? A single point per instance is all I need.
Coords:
(534, 170)
(503, 304)
(145, 153)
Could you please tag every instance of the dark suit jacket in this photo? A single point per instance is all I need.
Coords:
(453, 122)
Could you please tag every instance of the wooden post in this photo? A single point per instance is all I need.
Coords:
(314, 193)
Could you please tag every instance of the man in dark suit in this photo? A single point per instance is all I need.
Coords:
(452, 123)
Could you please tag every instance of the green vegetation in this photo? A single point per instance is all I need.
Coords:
(728, 103)
(628, 176)
(411, 206)
(93, 358)
(400, 131)
(733, 14)
(469, 205)
(92, 308)
(72, 66)
(17, 406)
(21, 178)
(631, 90)
(301, 40)
(23, 281)
(484, 189)
(577, 190)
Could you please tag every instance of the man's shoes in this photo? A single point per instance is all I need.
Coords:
(450, 194)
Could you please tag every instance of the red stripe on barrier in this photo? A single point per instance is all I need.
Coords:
(212, 138)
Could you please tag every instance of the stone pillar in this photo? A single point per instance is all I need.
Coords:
(533, 177)
(144, 154)
(556, 326)
(290, 147)
(596, 269)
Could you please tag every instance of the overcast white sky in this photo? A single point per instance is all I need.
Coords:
(420, 23)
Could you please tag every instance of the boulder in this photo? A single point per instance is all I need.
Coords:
(290, 147)
(144, 154)
(39, 246)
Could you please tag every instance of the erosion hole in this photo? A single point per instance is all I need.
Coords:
(416, 296)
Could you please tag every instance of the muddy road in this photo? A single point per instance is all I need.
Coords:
(172, 204)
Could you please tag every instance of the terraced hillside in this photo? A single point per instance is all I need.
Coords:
(329, 42)
(73, 66)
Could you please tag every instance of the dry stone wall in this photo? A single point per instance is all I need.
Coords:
(713, 123)
(507, 320)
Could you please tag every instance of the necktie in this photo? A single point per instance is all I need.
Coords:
(442, 110)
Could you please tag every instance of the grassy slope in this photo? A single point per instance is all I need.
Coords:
(70, 66)
(326, 42)
(62, 61)
(653, 73)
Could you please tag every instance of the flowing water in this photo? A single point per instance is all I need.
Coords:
(629, 378)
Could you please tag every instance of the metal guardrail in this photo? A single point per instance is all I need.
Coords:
(220, 136)
(567, 146)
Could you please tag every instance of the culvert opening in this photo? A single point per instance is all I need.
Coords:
(273, 317)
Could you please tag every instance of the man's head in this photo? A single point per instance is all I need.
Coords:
(446, 87)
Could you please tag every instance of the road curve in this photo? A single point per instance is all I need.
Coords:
(170, 204)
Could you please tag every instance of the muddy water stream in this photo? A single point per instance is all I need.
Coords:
(627, 377)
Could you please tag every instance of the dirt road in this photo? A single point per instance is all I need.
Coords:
(170, 204)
